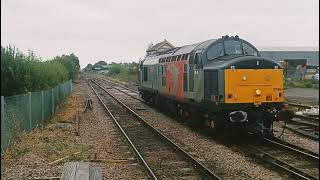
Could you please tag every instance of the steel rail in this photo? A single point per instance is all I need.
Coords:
(278, 163)
(152, 174)
(141, 100)
(207, 171)
(304, 122)
(293, 148)
(292, 170)
(301, 131)
(117, 84)
(298, 105)
(310, 118)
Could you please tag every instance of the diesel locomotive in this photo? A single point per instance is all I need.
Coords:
(224, 83)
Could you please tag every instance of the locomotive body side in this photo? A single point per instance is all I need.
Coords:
(241, 89)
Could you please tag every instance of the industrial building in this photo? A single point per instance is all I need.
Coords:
(311, 55)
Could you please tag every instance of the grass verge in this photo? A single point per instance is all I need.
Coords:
(55, 141)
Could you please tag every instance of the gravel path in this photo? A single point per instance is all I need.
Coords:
(99, 130)
(302, 95)
(226, 162)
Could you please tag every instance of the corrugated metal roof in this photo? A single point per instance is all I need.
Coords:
(185, 49)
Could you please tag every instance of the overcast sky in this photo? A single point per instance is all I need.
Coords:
(118, 30)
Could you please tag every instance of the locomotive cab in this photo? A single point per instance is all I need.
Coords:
(248, 87)
(224, 80)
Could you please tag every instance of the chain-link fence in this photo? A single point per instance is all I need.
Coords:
(25, 112)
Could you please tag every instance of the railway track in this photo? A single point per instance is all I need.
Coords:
(130, 92)
(299, 105)
(301, 125)
(298, 162)
(305, 126)
(162, 158)
(118, 85)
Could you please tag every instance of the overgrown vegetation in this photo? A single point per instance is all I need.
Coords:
(127, 72)
(302, 84)
(22, 73)
(52, 142)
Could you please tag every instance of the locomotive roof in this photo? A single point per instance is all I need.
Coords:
(154, 58)
(184, 49)
(177, 51)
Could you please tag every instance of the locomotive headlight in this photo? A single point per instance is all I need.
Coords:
(258, 92)
(244, 78)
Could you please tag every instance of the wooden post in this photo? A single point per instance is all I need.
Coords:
(77, 125)
(70, 86)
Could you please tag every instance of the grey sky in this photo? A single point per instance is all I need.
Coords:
(118, 30)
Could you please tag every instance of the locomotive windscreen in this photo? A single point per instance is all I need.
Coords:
(230, 47)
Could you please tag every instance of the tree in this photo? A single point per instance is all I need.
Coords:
(21, 73)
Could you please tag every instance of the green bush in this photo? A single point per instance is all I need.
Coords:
(127, 72)
(22, 73)
(114, 69)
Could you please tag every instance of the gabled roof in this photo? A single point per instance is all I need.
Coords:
(159, 45)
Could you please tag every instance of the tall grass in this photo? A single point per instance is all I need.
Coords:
(22, 73)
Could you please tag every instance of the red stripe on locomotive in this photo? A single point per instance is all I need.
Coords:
(174, 78)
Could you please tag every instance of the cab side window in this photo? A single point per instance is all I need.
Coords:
(198, 61)
(145, 74)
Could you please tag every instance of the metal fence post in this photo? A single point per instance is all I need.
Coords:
(52, 100)
(2, 124)
(42, 108)
(30, 113)
(70, 86)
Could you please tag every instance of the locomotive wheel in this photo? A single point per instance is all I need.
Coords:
(195, 119)
(180, 114)
(212, 124)
(217, 125)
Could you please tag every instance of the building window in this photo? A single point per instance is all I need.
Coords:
(163, 75)
(185, 77)
(145, 74)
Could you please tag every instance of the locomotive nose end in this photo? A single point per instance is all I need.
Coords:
(238, 116)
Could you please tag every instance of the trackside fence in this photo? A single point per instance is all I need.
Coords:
(24, 112)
